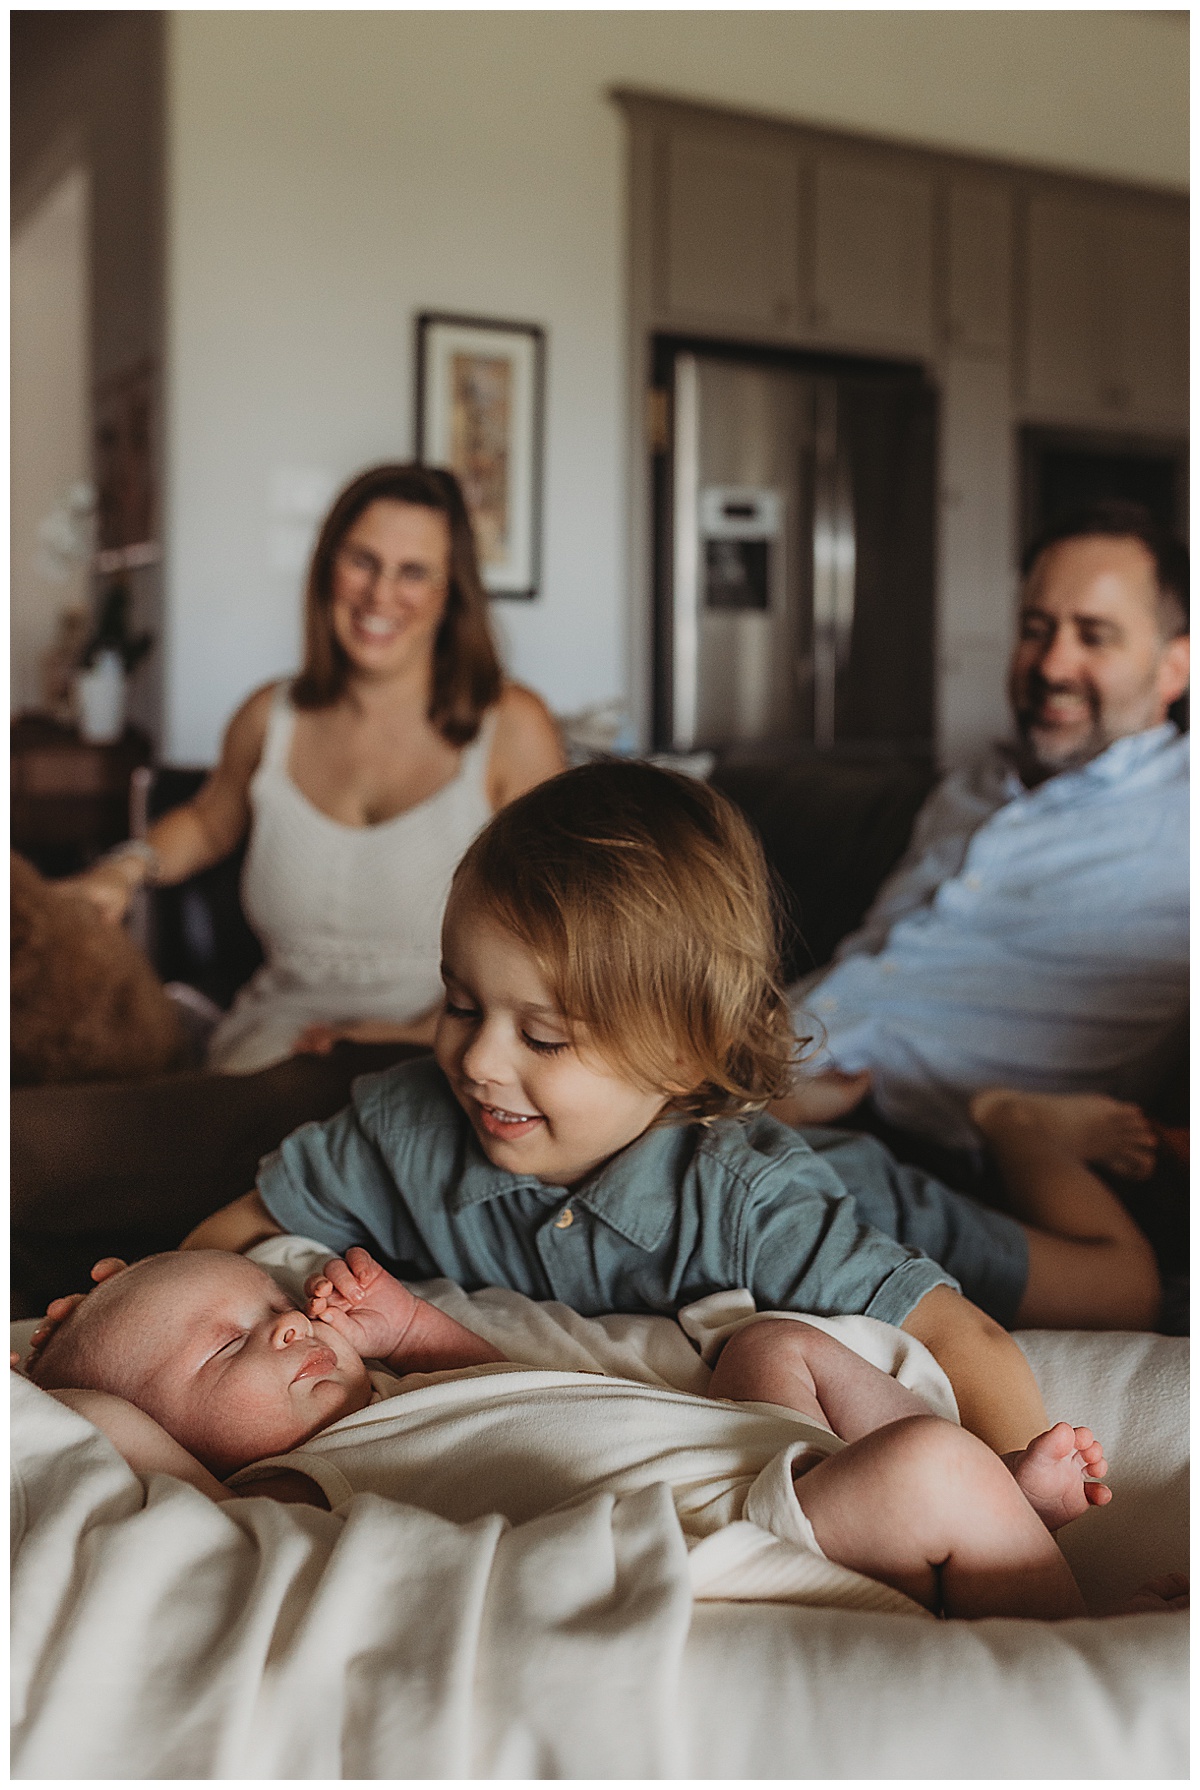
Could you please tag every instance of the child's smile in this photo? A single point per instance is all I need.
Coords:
(498, 1123)
(539, 1100)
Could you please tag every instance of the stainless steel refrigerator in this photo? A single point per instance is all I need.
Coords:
(794, 530)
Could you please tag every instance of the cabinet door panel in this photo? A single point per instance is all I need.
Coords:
(979, 287)
(732, 250)
(1148, 289)
(874, 254)
(1064, 340)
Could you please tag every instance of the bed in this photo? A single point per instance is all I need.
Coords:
(157, 1635)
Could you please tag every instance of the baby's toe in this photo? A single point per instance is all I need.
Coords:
(1058, 1442)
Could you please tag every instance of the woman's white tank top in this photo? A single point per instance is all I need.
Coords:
(349, 918)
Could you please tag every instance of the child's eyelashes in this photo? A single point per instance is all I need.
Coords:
(455, 1011)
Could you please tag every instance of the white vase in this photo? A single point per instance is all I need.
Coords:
(100, 699)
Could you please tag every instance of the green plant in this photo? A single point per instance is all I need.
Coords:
(113, 633)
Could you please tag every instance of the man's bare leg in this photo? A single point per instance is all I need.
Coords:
(821, 1099)
(1089, 1264)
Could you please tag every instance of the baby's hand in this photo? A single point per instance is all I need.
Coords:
(362, 1302)
(1058, 1473)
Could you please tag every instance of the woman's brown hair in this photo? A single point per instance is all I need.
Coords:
(646, 901)
(466, 668)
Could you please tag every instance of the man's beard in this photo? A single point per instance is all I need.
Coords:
(1045, 758)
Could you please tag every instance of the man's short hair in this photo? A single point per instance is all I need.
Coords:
(1120, 517)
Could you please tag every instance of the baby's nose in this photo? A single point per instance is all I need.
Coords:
(288, 1327)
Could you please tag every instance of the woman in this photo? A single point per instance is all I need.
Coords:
(361, 784)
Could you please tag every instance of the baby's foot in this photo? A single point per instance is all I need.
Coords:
(1058, 1471)
(1160, 1596)
(362, 1302)
(1093, 1128)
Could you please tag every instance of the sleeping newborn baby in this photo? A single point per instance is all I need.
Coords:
(198, 1364)
(210, 1347)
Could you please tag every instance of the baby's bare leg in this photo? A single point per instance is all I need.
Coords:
(927, 1508)
(782, 1362)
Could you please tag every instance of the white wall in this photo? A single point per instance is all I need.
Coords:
(330, 174)
(50, 411)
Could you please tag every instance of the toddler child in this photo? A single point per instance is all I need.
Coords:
(591, 1127)
(197, 1364)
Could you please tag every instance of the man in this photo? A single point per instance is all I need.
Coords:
(1035, 935)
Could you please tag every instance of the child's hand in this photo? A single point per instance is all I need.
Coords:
(58, 1309)
(363, 1303)
(1058, 1473)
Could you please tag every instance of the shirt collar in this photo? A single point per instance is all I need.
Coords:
(1116, 762)
(634, 1193)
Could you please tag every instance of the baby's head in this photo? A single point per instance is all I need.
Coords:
(630, 929)
(209, 1346)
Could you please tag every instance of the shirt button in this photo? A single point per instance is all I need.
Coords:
(888, 967)
(972, 882)
(566, 1217)
(826, 1004)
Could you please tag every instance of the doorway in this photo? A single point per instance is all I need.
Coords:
(50, 466)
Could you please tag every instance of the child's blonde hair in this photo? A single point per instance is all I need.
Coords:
(646, 900)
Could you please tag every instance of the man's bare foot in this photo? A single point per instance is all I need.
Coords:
(1058, 1471)
(1171, 1592)
(1093, 1128)
(821, 1099)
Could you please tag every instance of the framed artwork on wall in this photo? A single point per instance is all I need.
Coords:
(480, 395)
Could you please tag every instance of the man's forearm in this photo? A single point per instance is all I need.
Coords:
(998, 1397)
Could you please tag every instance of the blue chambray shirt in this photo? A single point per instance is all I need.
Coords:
(683, 1211)
(1030, 938)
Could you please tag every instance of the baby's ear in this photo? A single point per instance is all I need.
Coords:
(107, 1266)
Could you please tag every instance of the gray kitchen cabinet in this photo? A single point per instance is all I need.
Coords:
(1065, 363)
(730, 239)
(979, 242)
(1147, 271)
(872, 254)
(1106, 311)
(1039, 303)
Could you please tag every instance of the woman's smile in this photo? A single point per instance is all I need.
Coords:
(390, 583)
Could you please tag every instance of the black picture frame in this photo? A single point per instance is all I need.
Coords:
(480, 410)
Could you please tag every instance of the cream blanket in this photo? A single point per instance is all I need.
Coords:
(524, 1442)
(528, 1444)
(158, 1635)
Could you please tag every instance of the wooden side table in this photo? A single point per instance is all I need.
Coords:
(70, 799)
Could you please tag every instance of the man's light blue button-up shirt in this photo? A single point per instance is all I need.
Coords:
(1031, 938)
(683, 1211)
